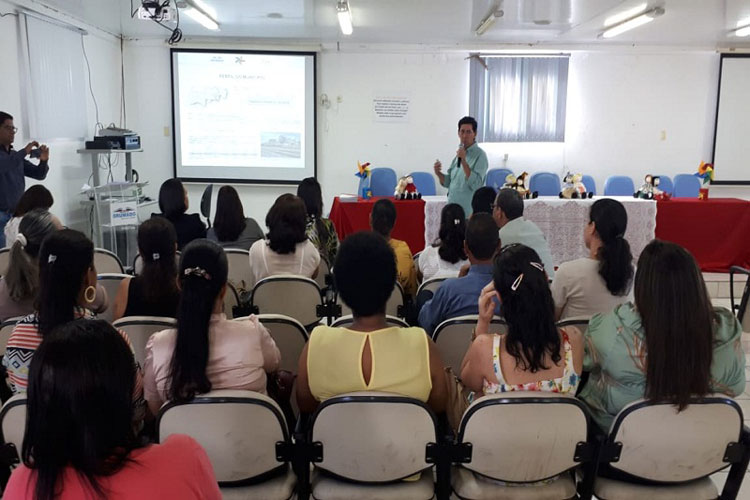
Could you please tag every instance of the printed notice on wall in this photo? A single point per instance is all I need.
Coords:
(391, 109)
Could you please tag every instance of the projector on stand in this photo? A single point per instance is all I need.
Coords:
(115, 138)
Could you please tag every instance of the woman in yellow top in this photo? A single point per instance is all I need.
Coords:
(382, 220)
(370, 355)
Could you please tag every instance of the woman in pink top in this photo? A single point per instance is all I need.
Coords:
(206, 351)
(79, 441)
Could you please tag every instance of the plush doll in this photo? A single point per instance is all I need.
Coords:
(522, 186)
(400, 188)
(573, 187)
(406, 189)
(649, 189)
(510, 182)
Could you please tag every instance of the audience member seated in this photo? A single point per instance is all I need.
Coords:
(319, 230)
(67, 279)
(173, 203)
(483, 200)
(154, 291)
(446, 255)
(206, 351)
(36, 197)
(231, 228)
(514, 228)
(369, 355)
(382, 220)
(601, 281)
(79, 440)
(287, 249)
(668, 346)
(459, 296)
(534, 355)
(20, 282)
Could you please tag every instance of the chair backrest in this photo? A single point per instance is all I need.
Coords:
(580, 322)
(373, 437)
(496, 177)
(140, 329)
(656, 442)
(323, 270)
(619, 185)
(743, 308)
(138, 262)
(107, 262)
(238, 429)
(110, 282)
(346, 321)
(289, 335)
(294, 296)
(545, 183)
(686, 186)
(666, 184)
(425, 183)
(392, 308)
(4, 260)
(383, 181)
(590, 183)
(231, 299)
(453, 337)
(6, 328)
(240, 274)
(431, 285)
(13, 421)
(497, 423)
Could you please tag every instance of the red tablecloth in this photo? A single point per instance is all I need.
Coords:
(715, 231)
(352, 217)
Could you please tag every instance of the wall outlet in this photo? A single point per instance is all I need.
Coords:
(166, 131)
(505, 157)
(663, 135)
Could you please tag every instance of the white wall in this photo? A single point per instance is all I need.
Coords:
(68, 170)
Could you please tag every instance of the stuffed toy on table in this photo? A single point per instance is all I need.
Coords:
(406, 189)
(650, 189)
(520, 184)
(573, 187)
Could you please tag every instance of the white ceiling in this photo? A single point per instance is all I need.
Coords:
(690, 23)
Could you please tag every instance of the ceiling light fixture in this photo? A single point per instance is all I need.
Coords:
(632, 23)
(202, 14)
(487, 22)
(744, 31)
(625, 15)
(344, 14)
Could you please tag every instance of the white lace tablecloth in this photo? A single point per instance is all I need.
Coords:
(562, 222)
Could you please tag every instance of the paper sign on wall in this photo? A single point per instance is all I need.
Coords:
(391, 109)
(123, 213)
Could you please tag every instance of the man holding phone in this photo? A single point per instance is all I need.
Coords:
(468, 168)
(13, 168)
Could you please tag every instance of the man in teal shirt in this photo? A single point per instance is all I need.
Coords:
(468, 168)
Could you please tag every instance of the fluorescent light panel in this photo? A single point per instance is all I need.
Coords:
(486, 24)
(632, 23)
(742, 31)
(199, 12)
(625, 15)
(344, 14)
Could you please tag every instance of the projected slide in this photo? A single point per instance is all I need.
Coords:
(244, 116)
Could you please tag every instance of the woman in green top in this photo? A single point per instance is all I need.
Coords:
(693, 349)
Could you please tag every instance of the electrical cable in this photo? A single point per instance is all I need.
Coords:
(98, 125)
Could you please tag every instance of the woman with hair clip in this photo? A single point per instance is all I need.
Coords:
(534, 355)
(36, 197)
(231, 228)
(445, 257)
(287, 249)
(206, 351)
(79, 440)
(670, 345)
(173, 203)
(321, 232)
(601, 281)
(154, 291)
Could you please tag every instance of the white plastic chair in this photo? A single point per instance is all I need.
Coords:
(240, 274)
(13, 423)
(107, 262)
(4, 260)
(295, 296)
(110, 282)
(140, 329)
(394, 306)
(289, 335)
(453, 337)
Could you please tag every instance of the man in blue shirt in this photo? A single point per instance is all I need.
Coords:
(468, 169)
(13, 167)
(460, 296)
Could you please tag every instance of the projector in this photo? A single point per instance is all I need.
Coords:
(115, 138)
(153, 11)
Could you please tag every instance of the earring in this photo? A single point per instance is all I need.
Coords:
(90, 294)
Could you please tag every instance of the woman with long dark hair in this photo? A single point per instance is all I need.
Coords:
(319, 230)
(36, 197)
(603, 280)
(669, 345)
(231, 228)
(206, 351)
(154, 291)
(287, 249)
(382, 221)
(445, 257)
(79, 440)
(173, 203)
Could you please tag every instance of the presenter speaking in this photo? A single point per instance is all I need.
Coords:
(13, 167)
(468, 168)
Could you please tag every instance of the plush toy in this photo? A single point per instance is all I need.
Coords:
(520, 184)
(650, 188)
(406, 189)
(573, 187)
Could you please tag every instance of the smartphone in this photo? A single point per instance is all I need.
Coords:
(36, 153)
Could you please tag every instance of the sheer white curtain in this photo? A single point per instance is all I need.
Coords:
(519, 99)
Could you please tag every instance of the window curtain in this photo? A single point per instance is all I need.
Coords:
(519, 99)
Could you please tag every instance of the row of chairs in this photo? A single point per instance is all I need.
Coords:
(521, 445)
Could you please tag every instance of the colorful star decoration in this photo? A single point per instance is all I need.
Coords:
(705, 172)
